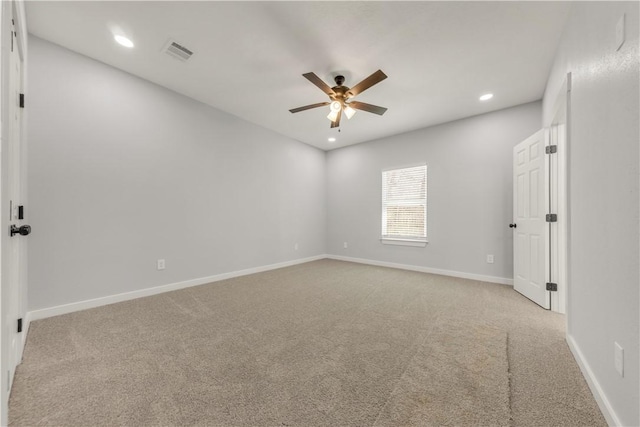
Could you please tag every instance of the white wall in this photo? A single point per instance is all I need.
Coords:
(469, 187)
(603, 300)
(124, 172)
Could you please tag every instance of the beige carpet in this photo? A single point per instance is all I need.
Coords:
(327, 343)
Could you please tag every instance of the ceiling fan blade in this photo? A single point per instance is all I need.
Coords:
(373, 79)
(367, 107)
(336, 123)
(318, 82)
(308, 107)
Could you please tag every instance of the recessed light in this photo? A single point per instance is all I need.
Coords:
(123, 41)
(332, 139)
(486, 97)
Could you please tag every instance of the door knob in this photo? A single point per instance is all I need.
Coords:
(24, 230)
(513, 225)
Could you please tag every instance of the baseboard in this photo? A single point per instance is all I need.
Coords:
(594, 385)
(472, 276)
(111, 299)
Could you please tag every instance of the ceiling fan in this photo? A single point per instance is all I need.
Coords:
(341, 97)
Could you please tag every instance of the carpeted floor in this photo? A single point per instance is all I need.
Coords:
(326, 343)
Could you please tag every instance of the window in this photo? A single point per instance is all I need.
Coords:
(404, 206)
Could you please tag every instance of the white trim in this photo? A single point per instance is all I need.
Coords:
(21, 25)
(601, 398)
(472, 276)
(407, 166)
(559, 194)
(403, 242)
(111, 299)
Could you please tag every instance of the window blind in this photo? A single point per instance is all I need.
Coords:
(404, 203)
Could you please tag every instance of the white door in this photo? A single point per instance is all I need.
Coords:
(530, 236)
(13, 246)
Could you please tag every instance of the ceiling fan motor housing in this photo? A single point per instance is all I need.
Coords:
(341, 93)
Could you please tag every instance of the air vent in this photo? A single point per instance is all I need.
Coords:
(177, 51)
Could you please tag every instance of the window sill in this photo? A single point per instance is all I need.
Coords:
(404, 242)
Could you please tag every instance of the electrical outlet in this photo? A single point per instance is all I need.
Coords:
(489, 259)
(161, 264)
(295, 247)
(618, 358)
(346, 245)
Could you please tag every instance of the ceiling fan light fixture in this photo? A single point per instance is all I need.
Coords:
(349, 112)
(335, 106)
(333, 115)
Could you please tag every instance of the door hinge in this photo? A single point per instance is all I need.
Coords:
(553, 287)
(22, 100)
(551, 217)
(550, 149)
(20, 325)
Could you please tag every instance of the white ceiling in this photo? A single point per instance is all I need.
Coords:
(250, 56)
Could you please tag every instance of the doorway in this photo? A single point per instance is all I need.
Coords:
(559, 197)
(540, 211)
